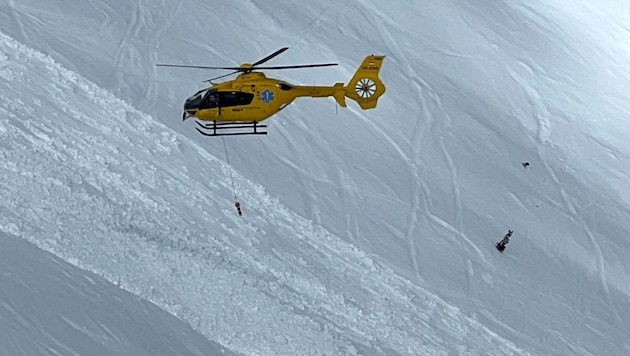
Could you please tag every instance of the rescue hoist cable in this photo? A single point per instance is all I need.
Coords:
(227, 159)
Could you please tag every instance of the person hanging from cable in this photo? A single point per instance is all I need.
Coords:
(506, 239)
(237, 204)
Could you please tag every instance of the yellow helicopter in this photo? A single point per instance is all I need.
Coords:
(237, 106)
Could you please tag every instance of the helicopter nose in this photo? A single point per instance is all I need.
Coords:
(187, 114)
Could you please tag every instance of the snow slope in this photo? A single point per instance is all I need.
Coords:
(423, 185)
(105, 186)
(49, 307)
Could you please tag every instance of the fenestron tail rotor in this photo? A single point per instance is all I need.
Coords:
(365, 88)
(248, 67)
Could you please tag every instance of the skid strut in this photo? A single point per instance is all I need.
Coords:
(231, 128)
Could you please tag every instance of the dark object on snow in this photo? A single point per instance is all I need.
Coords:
(525, 164)
(506, 239)
(238, 208)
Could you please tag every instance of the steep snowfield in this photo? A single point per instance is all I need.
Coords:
(106, 187)
(49, 307)
(422, 186)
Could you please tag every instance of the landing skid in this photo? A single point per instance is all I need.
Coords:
(231, 128)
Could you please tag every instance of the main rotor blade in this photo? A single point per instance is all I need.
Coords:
(297, 66)
(221, 76)
(270, 56)
(198, 67)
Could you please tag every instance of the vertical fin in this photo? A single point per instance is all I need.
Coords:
(366, 87)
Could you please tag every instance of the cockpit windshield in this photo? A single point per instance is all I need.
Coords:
(198, 95)
(195, 100)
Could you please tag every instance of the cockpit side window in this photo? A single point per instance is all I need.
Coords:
(234, 98)
(211, 100)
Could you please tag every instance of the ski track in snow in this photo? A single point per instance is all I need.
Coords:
(542, 114)
(425, 123)
(104, 10)
(459, 220)
(150, 93)
(170, 207)
(16, 17)
(346, 182)
(131, 31)
(600, 261)
(458, 206)
(458, 201)
(197, 259)
(144, 18)
(420, 128)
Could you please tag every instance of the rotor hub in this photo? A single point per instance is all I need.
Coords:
(246, 67)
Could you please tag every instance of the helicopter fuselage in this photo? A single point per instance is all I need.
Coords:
(252, 96)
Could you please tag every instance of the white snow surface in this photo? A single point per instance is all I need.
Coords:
(364, 232)
(50, 307)
(101, 184)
